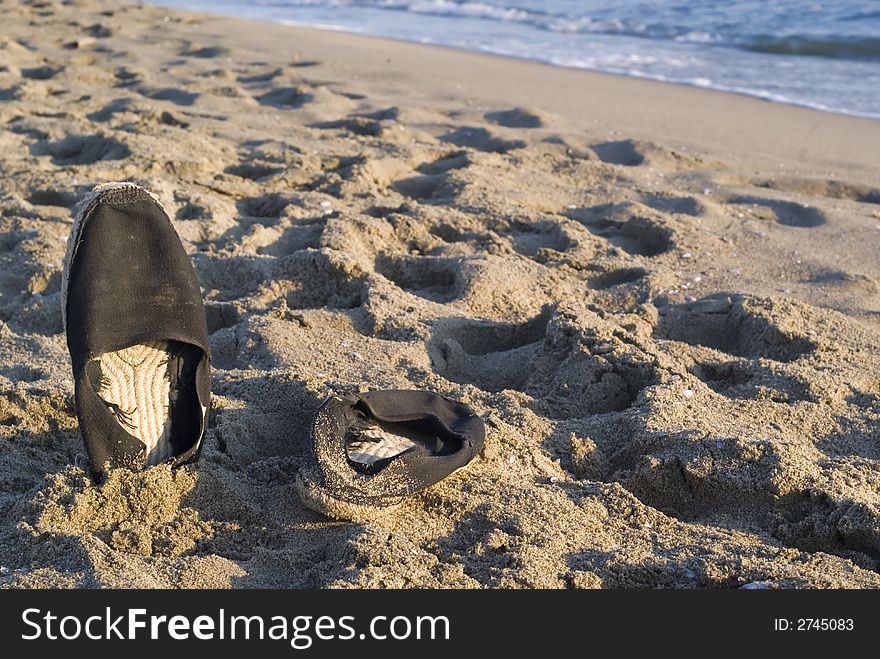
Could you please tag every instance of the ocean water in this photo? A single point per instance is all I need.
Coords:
(824, 55)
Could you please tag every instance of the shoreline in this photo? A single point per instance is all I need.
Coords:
(755, 94)
(772, 130)
(761, 96)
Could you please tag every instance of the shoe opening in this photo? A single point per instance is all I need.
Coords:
(150, 389)
(372, 444)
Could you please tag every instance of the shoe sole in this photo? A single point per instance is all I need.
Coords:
(316, 497)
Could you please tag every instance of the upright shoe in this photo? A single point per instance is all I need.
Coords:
(136, 332)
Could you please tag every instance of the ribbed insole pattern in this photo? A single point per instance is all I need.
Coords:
(374, 444)
(135, 386)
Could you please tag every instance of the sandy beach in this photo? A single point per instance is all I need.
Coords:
(663, 301)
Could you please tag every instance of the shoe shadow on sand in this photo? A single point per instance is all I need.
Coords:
(244, 488)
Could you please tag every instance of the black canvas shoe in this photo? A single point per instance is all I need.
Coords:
(370, 450)
(136, 332)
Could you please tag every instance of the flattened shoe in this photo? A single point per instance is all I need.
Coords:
(369, 451)
(136, 332)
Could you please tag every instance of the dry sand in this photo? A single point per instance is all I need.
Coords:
(663, 301)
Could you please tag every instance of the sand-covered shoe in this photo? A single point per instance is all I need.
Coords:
(371, 450)
(136, 332)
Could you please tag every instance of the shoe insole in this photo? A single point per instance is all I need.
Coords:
(372, 444)
(142, 386)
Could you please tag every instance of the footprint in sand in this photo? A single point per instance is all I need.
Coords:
(586, 369)
(432, 278)
(627, 226)
(425, 187)
(490, 355)
(536, 239)
(833, 189)
(618, 277)
(45, 72)
(286, 97)
(49, 197)
(170, 119)
(117, 105)
(481, 140)
(176, 96)
(190, 210)
(621, 152)
(265, 76)
(145, 112)
(318, 281)
(388, 211)
(368, 124)
(735, 478)
(221, 315)
(254, 170)
(450, 233)
(82, 149)
(739, 325)
(623, 289)
(267, 206)
(851, 440)
(296, 238)
(385, 114)
(673, 204)
(632, 153)
(206, 52)
(743, 379)
(126, 76)
(10, 93)
(515, 118)
(229, 277)
(445, 163)
(98, 31)
(787, 213)
(852, 283)
(356, 125)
